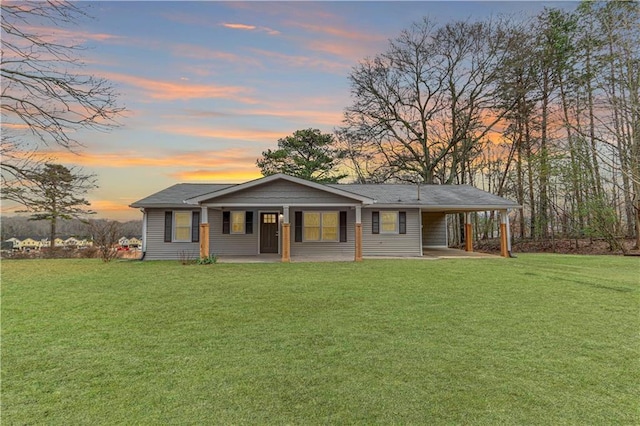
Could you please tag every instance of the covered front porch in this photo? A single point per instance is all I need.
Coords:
(428, 254)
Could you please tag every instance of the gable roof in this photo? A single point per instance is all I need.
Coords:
(279, 176)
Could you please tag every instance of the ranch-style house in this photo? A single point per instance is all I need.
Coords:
(289, 216)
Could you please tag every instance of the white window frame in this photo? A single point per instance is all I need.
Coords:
(174, 231)
(243, 213)
(321, 240)
(396, 229)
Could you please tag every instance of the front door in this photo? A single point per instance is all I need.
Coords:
(268, 232)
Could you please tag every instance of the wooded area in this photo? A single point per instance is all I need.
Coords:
(545, 112)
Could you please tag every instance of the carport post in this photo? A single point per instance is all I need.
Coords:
(204, 233)
(504, 233)
(286, 235)
(468, 233)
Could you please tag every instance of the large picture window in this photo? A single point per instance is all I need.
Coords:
(320, 226)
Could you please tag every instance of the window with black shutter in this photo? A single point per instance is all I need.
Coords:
(375, 222)
(343, 227)
(248, 224)
(402, 222)
(195, 227)
(298, 227)
(226, 222)
(168, 226)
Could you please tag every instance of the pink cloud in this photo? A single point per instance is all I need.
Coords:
(182, 90)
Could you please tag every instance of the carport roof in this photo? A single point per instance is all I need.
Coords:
(451, 198)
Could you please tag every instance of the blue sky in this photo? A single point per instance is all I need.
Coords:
(208, 86)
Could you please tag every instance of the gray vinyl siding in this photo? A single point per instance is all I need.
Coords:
(434, 229)
(281, 192)
(233, 244)
(392, 244)
(157, 249)
(324, 248)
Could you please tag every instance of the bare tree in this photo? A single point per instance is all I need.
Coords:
(421, 107)
(45, 96)
(105, 235)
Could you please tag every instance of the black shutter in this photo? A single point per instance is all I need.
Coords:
(298, 227)
(343, 227)
(375, 222)
(248, 223)
(226, 222)
(195, 227)
(168, 225)
(402, 225)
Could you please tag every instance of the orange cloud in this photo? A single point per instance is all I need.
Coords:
(182, 90)
(235, 157)
(208, 132)
(226, 176)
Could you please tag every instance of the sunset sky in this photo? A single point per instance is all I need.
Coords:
(208, 86)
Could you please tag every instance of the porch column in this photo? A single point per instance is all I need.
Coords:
(358, 229)
(504, 233)
(286, 235)
(204, 233)
(468, 233)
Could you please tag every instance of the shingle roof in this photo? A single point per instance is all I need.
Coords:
(175, 195)
(436, 197)
(448, 197)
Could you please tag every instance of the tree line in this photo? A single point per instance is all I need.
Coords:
(546, 112)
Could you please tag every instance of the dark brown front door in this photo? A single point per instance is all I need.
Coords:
(268, 232)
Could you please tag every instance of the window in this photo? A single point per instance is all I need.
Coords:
(389, 222)
(311, 221)
(237, 222)
(181, 226)
(320, 226)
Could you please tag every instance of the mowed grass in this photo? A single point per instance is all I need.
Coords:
(541, 339)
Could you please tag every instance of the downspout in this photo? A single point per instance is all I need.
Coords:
(144, 234)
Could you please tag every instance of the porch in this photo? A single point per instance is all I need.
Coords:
(428, 254)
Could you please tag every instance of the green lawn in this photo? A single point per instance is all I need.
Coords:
(541, 339)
